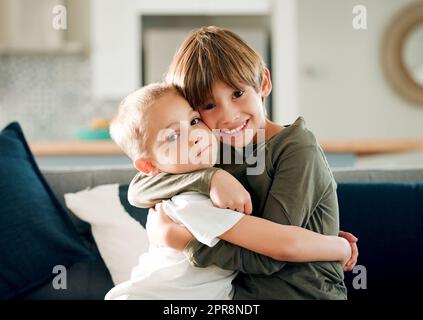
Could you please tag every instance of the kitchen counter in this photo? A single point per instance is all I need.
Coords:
(109, 148)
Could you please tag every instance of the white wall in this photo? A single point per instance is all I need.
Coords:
(322, 68)
(342, 90)
(285, 61)
(116, 36)
(116, 47)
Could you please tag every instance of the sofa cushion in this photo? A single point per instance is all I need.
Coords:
(36, 233)
(388, 220)
(117, 227)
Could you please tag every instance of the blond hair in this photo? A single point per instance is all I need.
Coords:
(213, 54)
(128, 127)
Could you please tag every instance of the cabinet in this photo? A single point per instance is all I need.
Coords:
(26, 27)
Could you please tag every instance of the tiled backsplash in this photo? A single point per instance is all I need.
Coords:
(50, 96)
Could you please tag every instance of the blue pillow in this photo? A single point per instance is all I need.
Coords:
(36, 233)
(388, 220)
(139, 214)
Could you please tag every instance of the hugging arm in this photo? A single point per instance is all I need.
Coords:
(301, 182)
(280, 242)
(224, 190)
(145, 191)
(286, 243)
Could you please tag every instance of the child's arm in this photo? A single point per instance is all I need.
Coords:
(287, 243)
(280, 242)
(225, 191)
(293, 196)
(145, 191)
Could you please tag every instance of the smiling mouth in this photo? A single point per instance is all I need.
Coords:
(235, 131)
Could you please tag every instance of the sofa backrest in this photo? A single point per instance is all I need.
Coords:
(67, 180)
(400, 175)
(380, 206)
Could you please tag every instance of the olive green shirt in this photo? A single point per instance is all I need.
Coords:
(296, 187)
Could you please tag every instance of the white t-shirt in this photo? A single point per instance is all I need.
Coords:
(164, 273)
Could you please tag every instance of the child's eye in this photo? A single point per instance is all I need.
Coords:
(238, 93)
(195, 121)
(173, 137)
(209, 106)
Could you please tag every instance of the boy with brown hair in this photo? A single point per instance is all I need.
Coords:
(150, 126)
(226, 81)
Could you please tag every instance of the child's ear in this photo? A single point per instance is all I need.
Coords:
(266, 84)
(146, 167)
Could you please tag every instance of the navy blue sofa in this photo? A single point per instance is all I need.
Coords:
(383, 208)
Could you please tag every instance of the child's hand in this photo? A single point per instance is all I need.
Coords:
(352, 240)
(347, 253)
(227, 193)
(157, 223)
(162, 231)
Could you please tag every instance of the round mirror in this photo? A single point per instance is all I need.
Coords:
(413, 54)
(402, 53)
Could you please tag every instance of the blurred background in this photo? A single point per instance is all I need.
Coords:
(353, 70)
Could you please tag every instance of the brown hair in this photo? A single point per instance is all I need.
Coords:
(128, 127)
(213, 54)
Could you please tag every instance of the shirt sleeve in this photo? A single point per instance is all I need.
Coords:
(300, 179)
(197, 213)
(145, 191)
(230, 257)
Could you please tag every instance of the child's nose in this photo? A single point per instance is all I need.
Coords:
(230, 119)
(197, 139)
(229, 114)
